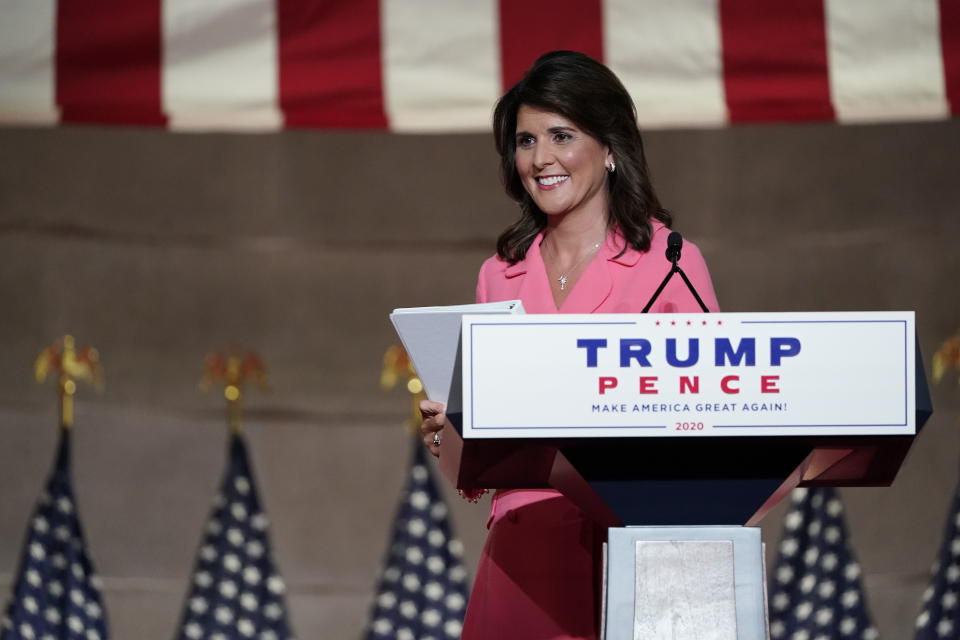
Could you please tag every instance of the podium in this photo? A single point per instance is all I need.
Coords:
(682, 423)
(621, 481)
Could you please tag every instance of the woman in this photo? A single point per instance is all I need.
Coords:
(590, 239)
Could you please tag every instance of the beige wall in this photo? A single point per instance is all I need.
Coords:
(158, 247)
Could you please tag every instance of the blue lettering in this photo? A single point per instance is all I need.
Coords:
(592, 345)
(634, 349)
(783, 348)
(693, 353)
(746, 350)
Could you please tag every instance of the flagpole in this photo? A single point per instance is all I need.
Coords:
(64, 358)
(236, 590)
(233, 394)
(422, 547)
(936, 618)
(67, 388)
(55, 562)
(397, 366)
(233, 368)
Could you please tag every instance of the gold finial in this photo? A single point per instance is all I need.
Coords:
(233, 368)
(947, 358)
(72, 364)
(397, 365)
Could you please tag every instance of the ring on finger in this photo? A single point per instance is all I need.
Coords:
(436, 439)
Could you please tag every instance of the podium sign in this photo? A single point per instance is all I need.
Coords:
(688, 375)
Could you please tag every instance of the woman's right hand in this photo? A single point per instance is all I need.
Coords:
(433, 420)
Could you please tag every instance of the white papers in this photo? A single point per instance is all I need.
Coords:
(431, 336)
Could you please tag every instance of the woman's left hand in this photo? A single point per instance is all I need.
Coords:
(433, 420)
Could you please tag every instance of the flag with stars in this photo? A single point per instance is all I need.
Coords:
(816, 590)
(940, 616)
(56, 594)
(236, 593)
(422, 593)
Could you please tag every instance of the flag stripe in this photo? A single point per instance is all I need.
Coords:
(441, 64)
(27, 43)
(108, 62)
(668, 57)
(330, 64)
(525, 35)
(885, 59)
(220, 64)
(950, 43)
(775, 60)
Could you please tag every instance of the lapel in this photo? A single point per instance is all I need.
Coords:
(596, 281)
(534, 286)
(591, 290)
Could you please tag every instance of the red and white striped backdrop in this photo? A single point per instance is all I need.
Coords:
(438, 65)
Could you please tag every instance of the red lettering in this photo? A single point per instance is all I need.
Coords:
(648, 384)
(725, 384)
(607, 382)
(688, 384)
(768, 384)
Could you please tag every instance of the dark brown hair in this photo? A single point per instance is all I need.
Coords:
(588, 94)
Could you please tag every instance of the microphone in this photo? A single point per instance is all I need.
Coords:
(674, 244)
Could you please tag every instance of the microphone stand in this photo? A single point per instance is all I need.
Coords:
(675, 268)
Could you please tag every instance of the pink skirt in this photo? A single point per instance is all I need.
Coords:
(538, 575)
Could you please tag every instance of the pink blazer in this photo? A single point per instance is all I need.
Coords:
(609, 284)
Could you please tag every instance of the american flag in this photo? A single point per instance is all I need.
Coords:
(422, 593)
(940, 617)
(816, 591)
(439, 65)
(57, 594)
(237, 593)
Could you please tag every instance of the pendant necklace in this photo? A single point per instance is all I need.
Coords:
(563, 276)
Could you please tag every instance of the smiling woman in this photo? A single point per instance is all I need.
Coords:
(590, 239)
(561, 167)
(564, 171)
(586, 97)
